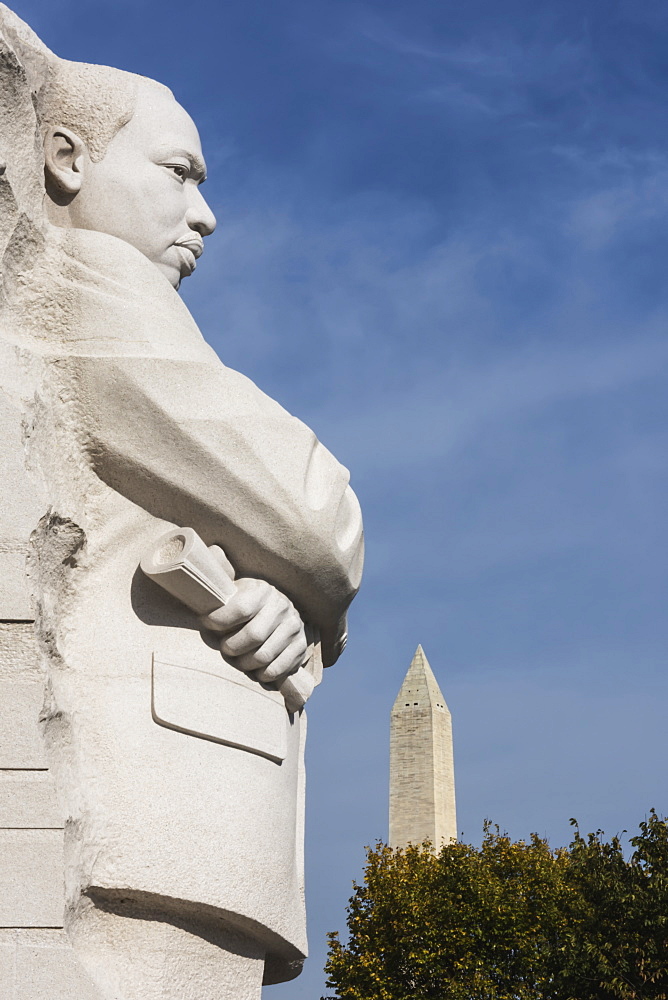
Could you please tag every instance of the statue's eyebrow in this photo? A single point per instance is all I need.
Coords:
(197, 164)
(197, 167)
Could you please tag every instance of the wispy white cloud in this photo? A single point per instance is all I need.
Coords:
(640, 196)
(492, 73)
(438, 415)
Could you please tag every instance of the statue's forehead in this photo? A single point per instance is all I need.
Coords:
(160, 117)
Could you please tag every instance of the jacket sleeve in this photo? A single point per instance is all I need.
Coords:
(199, 445)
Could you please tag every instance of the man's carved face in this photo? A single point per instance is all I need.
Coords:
(146, 189)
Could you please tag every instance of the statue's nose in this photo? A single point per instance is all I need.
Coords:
(199, 216)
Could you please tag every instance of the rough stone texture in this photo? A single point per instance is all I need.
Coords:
(422, 774)
(25, 505)
(31, 879)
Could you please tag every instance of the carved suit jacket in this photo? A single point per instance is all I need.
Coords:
(135, 425)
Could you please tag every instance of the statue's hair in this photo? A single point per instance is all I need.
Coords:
(95, 102)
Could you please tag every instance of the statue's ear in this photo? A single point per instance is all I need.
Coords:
(64, 162)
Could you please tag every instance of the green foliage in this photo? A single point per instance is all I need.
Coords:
(509, 921)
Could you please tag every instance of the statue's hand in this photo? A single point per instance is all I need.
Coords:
(265, 633)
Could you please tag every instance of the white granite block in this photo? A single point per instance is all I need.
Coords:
(28, 801)
(51, 972)
(31, 878)
(15, 601)
(7, 962)
(21, 744)
(19, 655)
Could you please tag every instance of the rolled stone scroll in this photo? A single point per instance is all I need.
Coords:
(200, 576)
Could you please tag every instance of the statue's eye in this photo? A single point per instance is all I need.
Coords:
(180, 171)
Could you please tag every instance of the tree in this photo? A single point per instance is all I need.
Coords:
(509, 921)
(620, 948)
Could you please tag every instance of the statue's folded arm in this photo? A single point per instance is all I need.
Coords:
(200, 445)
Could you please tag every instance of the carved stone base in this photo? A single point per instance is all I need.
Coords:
(39, 964)
(134, 958)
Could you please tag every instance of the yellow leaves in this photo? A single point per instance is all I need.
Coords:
(509, 921)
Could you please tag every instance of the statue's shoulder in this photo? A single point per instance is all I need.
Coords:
(88, 293)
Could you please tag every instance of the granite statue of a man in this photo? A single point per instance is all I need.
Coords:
(151, 758)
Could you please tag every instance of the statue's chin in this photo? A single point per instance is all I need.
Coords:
(173, 274)
(181, 265)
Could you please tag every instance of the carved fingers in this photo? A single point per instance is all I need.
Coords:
(265, 633)
(282, 653)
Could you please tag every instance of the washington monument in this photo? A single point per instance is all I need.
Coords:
(422, 775)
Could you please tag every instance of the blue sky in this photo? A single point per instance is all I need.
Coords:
(443, 236)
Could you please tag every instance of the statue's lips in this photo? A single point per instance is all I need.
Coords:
(193, 242)
(190, 248)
